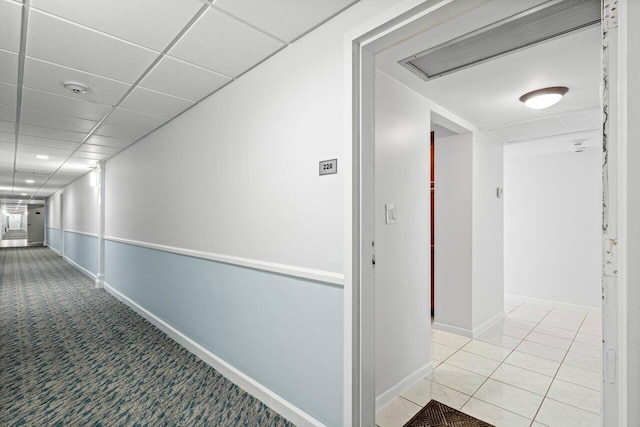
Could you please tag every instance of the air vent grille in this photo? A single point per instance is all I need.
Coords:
(525, 29)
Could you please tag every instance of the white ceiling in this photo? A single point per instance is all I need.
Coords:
(486, 94)
(145, 61)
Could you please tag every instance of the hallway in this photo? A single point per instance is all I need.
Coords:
(71, 354)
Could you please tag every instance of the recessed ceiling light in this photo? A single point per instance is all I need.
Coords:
(23, 194)
(42, 156)
(29, 181)
(544, 98)
(77, 88)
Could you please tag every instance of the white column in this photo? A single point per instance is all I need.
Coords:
(101, 202)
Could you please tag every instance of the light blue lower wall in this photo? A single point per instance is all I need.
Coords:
(82, 249)
(284, 332)
(54, 238)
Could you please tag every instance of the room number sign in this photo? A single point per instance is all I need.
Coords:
(328, 167)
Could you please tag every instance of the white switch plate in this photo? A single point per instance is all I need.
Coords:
(390, 216)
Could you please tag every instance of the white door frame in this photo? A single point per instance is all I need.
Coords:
(359, 367)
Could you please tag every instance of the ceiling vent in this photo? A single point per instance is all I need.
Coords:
(541, 23)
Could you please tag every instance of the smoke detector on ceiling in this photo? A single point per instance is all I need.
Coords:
(77, 88)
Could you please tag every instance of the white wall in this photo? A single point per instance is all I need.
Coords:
(469, 268)
(53, 211)
(488, 229)
(552, 225)
(81, 209)
(17, 221)
(402, 327)
(244, 163)
(453, 230)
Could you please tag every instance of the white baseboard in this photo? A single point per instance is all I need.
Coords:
(82, 269)
(57, 252)
(99, 281)
(488, 324)
(395, 391)
(248, 384)
(588, 309)
(453, 329)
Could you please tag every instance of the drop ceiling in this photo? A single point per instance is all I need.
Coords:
(487, 94)
(144, 61)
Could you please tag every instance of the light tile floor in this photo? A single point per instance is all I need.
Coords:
(539, 367)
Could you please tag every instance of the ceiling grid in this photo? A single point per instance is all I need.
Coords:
(140, 73)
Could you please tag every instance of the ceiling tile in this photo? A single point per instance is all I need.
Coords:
(65, 105)
(108, 141)
(285, 19)
(49, 77)
(10, 24)
(223, 44)
(7, 137)
(98, 149)
(8, 67)
(122, 132)
(49, 151)
(8, 113)
(6, 158)
(44, 142)
(163, 19)
(133, 119)
(8, 126)
(155, 103)
(7, 145)
(78, 165)
(71, 45)
(578, 121)
(539, 128)
(56, 121)
(91, 156)
(193, 83)
(21, 178)
(8, 94)
(26, 162)
(44, 132)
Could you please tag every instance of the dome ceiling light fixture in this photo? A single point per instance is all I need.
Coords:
(544, 98)
(77, 88)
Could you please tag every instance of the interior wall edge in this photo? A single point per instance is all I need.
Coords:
(395, 391)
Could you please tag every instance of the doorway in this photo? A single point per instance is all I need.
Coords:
(366, 174)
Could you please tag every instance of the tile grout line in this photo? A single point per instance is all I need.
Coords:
(503, 361)
(556, 375)
(510, 353)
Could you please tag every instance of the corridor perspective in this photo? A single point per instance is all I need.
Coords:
(71, 354)
(310, 212)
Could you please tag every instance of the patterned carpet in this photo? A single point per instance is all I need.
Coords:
(14, 234)
(72, 355)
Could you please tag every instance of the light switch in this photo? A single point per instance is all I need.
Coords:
(390, 214)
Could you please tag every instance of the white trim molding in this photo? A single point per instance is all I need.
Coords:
(453, 329)
(395, 391)
(248, 384)
(488, 324)
(289, 270)
(57, 252)
(84, 233)
(82, 269)
(588, 309)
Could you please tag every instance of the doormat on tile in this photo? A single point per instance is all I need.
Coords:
(435, 414)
